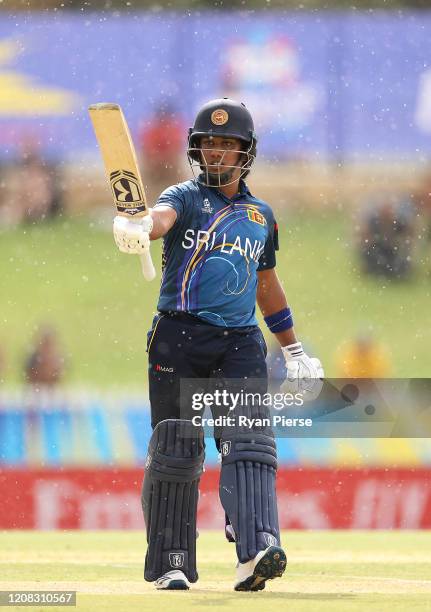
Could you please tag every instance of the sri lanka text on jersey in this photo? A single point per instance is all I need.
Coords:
(211, 241)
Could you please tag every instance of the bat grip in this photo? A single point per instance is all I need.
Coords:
(147, 266)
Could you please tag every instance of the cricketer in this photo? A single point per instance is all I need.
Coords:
(219, 244)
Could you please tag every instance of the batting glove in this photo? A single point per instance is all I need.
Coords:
(133, 235)
(304, 373)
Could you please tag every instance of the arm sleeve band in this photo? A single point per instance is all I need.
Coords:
(279, 321)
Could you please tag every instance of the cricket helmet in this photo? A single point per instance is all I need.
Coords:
(228, 118)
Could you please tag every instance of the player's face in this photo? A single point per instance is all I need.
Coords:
(221, 155)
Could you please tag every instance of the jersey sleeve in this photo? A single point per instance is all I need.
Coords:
(267, 260)
(174, 197)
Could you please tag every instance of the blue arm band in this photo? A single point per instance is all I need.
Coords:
(279, 321)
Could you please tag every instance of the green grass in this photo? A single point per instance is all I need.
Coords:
(70, 273)
(342, 571)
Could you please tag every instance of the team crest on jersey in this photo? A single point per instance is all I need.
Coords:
(219, 117)
(256, 217)
(206, 207)
(176, 559)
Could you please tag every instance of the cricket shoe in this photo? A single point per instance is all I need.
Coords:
(268, 564)
(174, 580)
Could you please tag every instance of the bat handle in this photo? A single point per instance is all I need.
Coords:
(147, 266)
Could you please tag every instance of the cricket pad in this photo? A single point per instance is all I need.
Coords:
(247, 491)
(169, 497)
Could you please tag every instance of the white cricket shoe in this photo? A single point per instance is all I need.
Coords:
(174, 581)
(267, 564)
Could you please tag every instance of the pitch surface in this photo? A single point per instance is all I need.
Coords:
(326, 571)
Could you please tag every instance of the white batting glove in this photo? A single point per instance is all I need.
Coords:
(133, 235)
(304, 373)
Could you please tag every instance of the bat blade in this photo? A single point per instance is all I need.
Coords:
(119, 157)
(121, 166)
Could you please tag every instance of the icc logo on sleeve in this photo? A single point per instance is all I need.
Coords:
(206, 206)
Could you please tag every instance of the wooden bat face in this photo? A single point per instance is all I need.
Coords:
(119, 158)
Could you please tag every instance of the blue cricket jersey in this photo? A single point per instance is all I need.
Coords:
(213, 251)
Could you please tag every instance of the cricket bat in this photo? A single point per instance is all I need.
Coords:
(121, 165)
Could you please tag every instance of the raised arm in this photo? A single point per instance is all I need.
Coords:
(163, 218)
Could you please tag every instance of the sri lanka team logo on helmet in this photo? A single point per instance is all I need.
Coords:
(219, 117)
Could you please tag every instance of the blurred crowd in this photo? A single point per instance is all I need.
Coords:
(31, 189)
(361, 356)
(44, 364)
(393, 236)
(162, 144)
(394, 233)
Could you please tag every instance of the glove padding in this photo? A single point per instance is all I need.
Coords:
(304, 373)
(132, 235)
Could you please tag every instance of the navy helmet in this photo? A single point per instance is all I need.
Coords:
(228, 118)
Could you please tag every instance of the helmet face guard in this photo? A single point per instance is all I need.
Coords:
(201, 168)
(224, 118)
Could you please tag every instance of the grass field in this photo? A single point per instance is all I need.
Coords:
(69, 273)
(326, 571)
